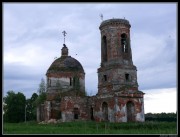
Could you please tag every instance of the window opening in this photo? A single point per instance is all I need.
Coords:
(105, 77)
(75, 113)
(104, 48)
(70, 81)
(124, 43)
(127, 77)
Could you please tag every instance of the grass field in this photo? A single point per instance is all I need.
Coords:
(90, 127)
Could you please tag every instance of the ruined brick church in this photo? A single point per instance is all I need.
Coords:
(118, 98)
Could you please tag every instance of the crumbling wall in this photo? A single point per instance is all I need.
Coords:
(117, 108)
(68, 105)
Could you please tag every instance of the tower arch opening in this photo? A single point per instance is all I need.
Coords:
(124, 43)
(104, 49)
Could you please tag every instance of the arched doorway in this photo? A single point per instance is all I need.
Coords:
(130, 111)
(105, 111)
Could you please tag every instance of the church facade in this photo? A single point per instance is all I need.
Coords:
(118, 98)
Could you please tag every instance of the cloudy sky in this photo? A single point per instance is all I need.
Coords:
(32, 39)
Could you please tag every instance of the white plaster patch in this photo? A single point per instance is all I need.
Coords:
(116, 108)
(111, 115)
(123, 119)
(123, 111)
(139, 117)
(63, 117)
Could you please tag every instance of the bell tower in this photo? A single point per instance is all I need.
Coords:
(117, 71)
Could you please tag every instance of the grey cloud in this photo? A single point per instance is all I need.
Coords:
(21, 72)
(157, 77)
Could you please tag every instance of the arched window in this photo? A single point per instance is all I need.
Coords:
(104, 48)
(124, 43)
(105, 111)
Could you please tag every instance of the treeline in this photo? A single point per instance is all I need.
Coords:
(16, 108)
(169, 117)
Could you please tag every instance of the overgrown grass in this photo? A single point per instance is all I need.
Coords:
(90, 127)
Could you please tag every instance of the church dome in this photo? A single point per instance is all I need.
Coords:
(65, 64)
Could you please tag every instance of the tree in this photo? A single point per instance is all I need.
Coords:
(40, 99)
(42, 93)
(14, 110)
(161, 117)
(42, 86)
(31, 107)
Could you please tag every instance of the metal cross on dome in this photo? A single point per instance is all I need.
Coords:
(64, 33)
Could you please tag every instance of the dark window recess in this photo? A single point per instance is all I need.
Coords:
(105, 77)
(104, 48)
(92, 116)
(70, 81)
(127, 77)
(76, 112)
(75, 116)
(59, 115)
